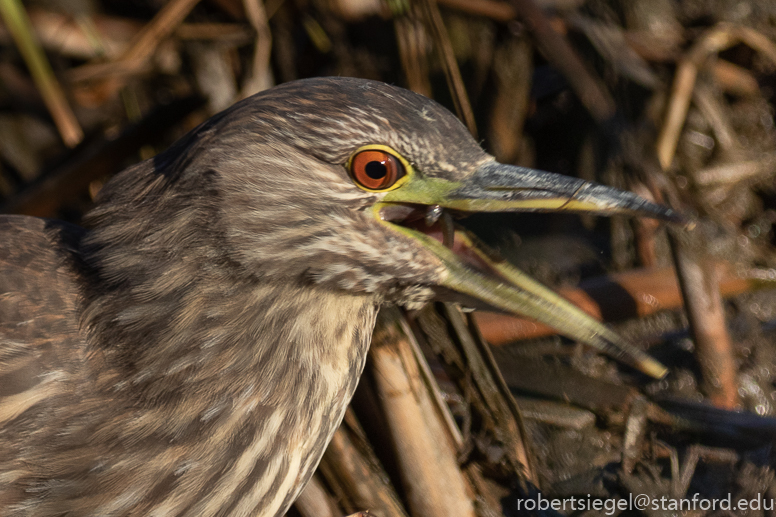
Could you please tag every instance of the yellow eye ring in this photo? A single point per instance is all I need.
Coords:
(378, 168)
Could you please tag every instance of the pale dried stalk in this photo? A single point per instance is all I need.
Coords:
(314, 501)
(495, 392)
(731, 173)
(430, 382)
(717, 39)
(493, 9)
(214, 76)
(699, 282)
(681, 93)
(18, 24)
(715, 113)
(159, 28)
(453, 74)
(143, 46)
(512, 63)
(434, 485)
(261, 73)
(63, 35)
(589, 88)
(412, 40)
(351, 464)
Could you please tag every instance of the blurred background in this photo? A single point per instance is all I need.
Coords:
(671, 99)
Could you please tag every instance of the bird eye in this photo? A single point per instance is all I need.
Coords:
(376, 169)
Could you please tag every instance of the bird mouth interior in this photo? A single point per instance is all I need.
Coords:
(437, 223)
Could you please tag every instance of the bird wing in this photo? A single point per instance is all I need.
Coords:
(38, 301)
(41, 345)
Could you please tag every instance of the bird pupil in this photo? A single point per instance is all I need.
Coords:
(376, 170)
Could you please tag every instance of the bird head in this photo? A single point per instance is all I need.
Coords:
(348, 184)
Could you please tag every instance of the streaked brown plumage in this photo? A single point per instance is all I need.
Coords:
(194, 350)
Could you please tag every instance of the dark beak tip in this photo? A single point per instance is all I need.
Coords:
(684, 221)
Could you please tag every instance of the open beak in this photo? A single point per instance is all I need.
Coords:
(417, 208)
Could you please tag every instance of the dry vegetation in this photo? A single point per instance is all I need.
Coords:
(673, 99)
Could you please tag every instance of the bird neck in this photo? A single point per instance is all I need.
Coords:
(224, 368)
(241, 377)
(176, 317)
(210, 332)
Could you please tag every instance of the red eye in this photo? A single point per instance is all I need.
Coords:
(376, 170)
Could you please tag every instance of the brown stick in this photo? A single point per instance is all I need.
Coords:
(142, 47)
(511, 65)
(433, 483)
(19, 25)
(498, 11)
(735, 79)
(350, 463)
(589, 88)
(62, 34)
(161, 26)
(46, 196)
(553, 380)
(411, 38)
(261, 74)
(700, 289)
(452, 72)
(636, 293)
(488, 379)
(732, 173)
(645, 229)
(714, 41)
(314, 501)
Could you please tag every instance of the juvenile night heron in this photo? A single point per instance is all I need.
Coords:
(194, 350)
